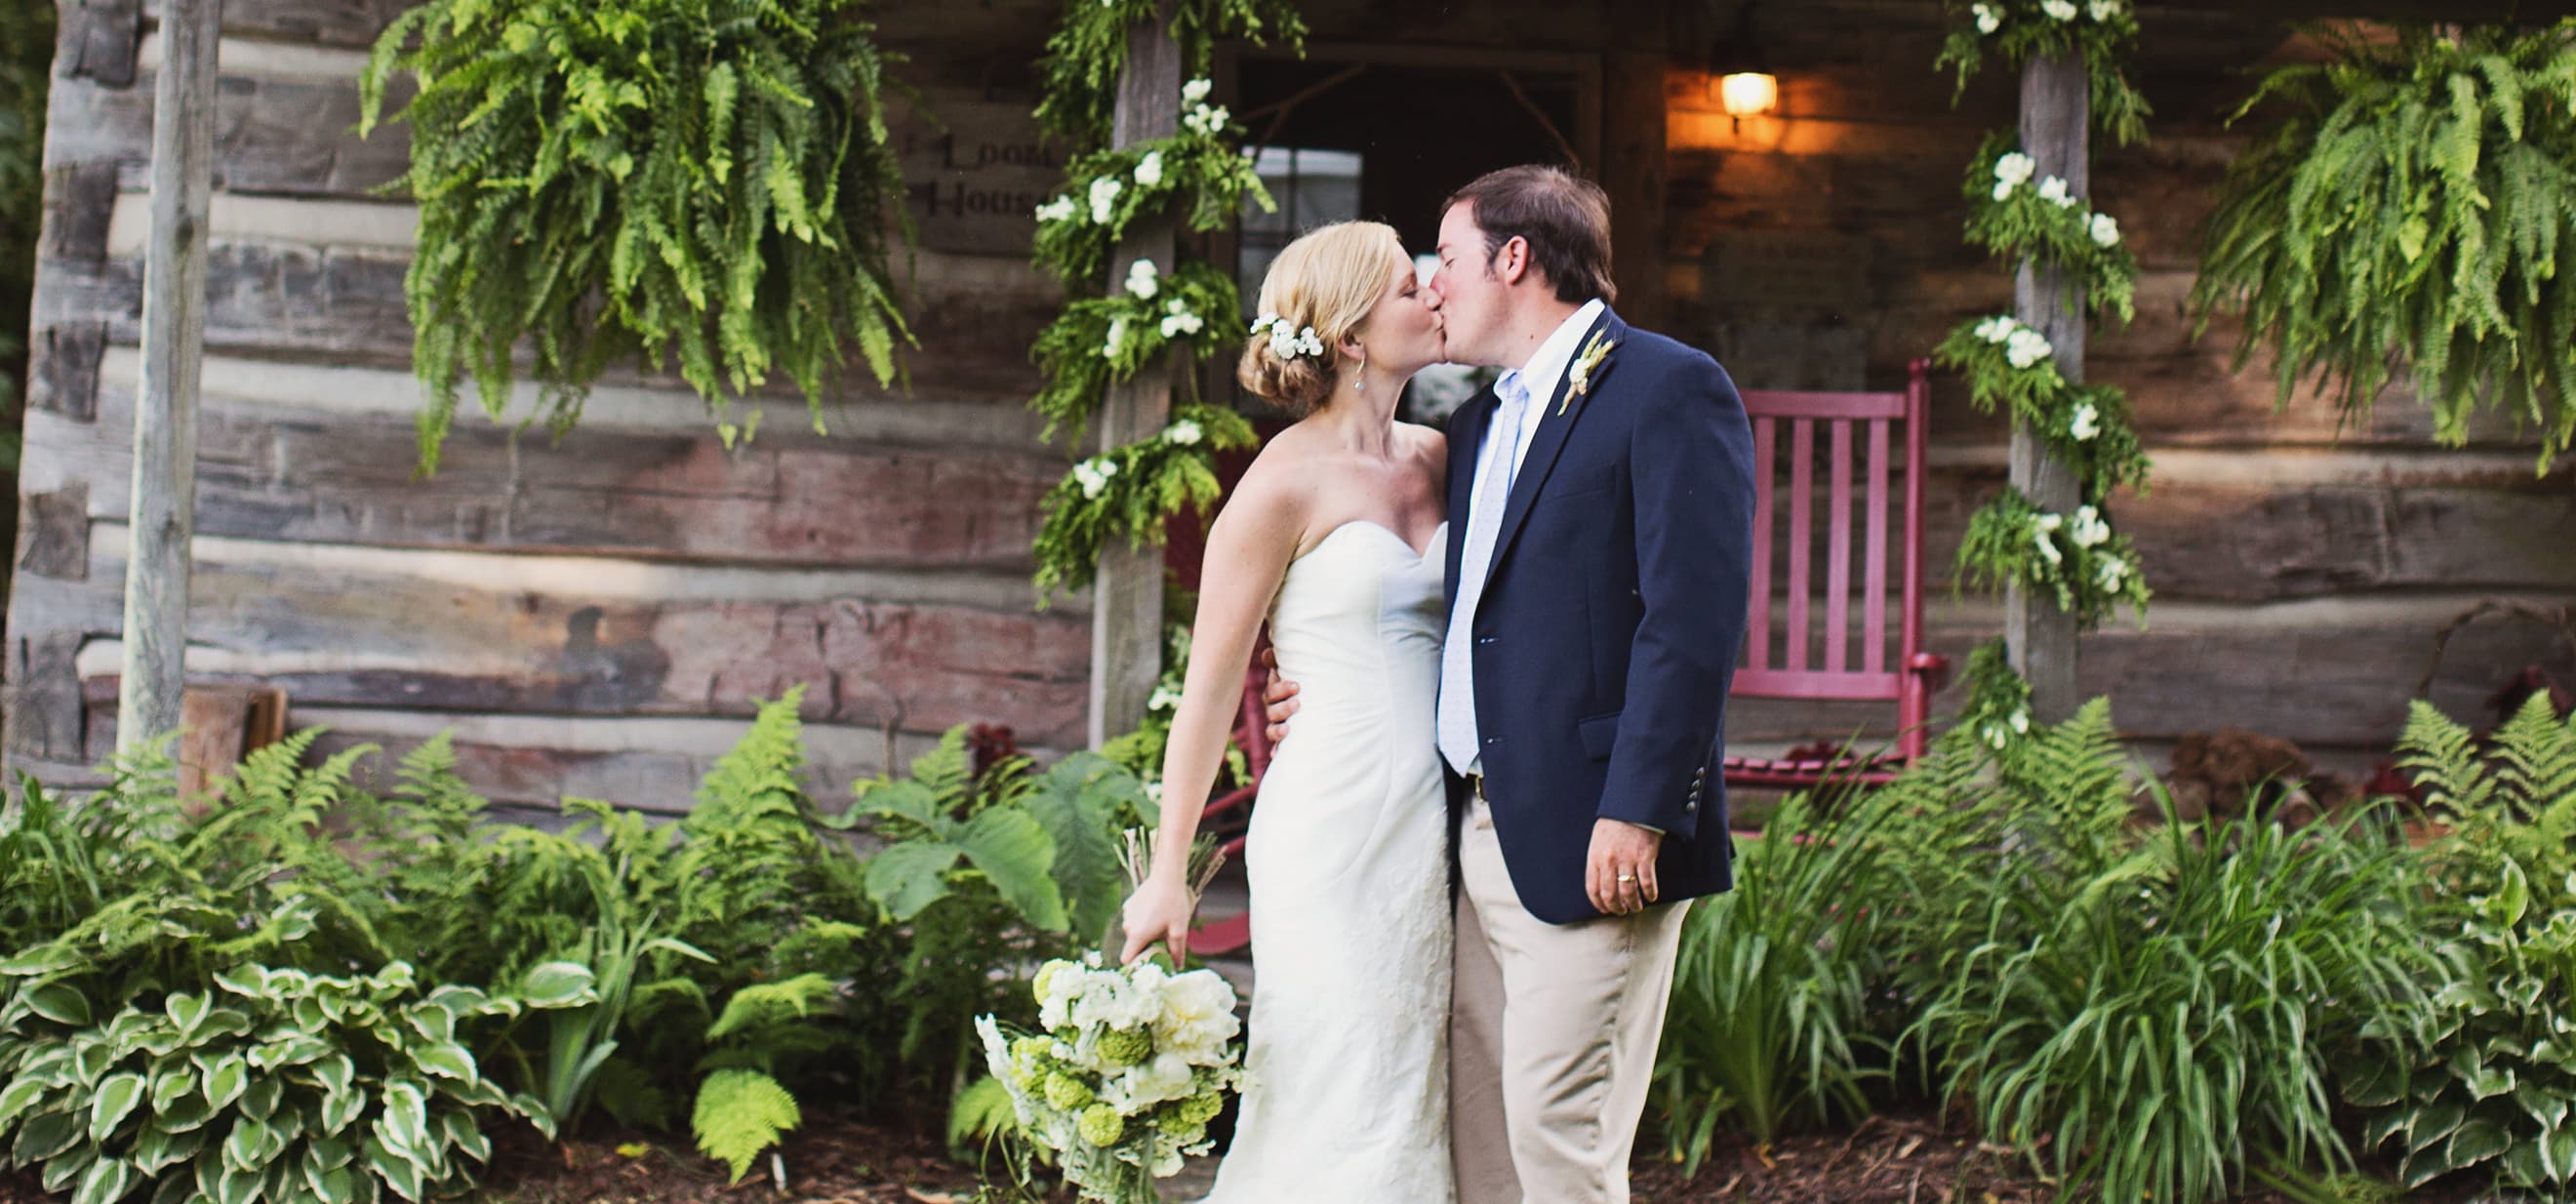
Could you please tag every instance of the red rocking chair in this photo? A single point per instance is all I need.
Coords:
(1916, 674)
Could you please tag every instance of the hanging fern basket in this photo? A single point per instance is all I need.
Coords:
(2409, 211)
(608, 181)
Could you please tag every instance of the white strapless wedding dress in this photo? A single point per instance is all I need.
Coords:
(1348, 861)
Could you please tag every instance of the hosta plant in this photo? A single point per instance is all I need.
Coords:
(2481, 1079)
(273, 1085)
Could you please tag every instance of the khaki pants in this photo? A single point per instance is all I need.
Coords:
(1552, 1034)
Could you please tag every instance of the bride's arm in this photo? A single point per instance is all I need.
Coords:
(1248, 551)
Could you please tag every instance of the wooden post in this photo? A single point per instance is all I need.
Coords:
(2055, 124)
(165, 413)
(1127, 599)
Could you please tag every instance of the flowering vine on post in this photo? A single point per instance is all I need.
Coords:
(1156, 312)
(2068, 556)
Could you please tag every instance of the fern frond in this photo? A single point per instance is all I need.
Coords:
(740, 1114)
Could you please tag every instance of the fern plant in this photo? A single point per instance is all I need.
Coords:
(710, 180)
(2410, 208)
(742, 1108)
(2150, 1015)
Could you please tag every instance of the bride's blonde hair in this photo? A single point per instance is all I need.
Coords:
(1329, 280)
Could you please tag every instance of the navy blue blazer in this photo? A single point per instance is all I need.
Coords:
(1612, 615)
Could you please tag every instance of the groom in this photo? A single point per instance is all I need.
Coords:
(1596, 605)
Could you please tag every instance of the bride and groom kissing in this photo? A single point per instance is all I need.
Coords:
(1502, 660)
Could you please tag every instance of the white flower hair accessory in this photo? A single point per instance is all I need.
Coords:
(1287, 344)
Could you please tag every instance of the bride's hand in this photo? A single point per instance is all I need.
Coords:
(1158, 911)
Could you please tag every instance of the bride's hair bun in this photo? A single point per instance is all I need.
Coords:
(1319, 290)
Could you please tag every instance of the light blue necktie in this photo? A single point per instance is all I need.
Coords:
(1484, 523)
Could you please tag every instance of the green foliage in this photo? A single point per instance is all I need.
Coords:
(1127, 492)
(1769, 990)
(643, 178)
(2012, 220)
(274, 1084)
(740, 1113)
(2148, 1014)
(1998, 706)
(2075, 558)
(2480, 1078)
(2101, 32)
(2086, 426)
(982, 871)
(1100, 341)
(1089, 48)
(1199, 170)
(2410, 206)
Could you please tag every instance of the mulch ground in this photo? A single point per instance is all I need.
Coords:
(1895, 1158)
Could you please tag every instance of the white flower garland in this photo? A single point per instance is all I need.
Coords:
(1284, 343)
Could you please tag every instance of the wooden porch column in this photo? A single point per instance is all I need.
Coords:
(155, 671)
(1127, 598)
(2055, 123)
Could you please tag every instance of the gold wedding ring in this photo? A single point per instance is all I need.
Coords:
(1627, 877)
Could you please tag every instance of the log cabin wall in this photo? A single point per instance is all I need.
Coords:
(598, 617)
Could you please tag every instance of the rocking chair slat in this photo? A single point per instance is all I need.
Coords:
(1802, 533)
(1766, 439)
(1838, 552)
(1873, 599)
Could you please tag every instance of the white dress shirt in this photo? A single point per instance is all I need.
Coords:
(1546, 367)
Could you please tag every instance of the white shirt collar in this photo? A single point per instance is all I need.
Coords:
(1547, 365)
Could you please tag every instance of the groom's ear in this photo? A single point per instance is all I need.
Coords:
(1511, 260)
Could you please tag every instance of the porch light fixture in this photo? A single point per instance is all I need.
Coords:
(1743, 81)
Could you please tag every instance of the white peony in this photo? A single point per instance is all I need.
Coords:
(2063, 10)
(1163, 1077)
(1104, 198)
(1185, 433)
(2105, 230)
(1056, 210)
(2104, 10)
(1115, 339)
(2015, 168)
(2085, 424)
(1144, 279)
(2003, 191)
(2088, 529)
(2112, 572)
(1988, 19)
(1149, 170)
(1998, 328)
(1178, 320)
(1197, 1017)
(2025, 347)
(2021, 720)
(2054, 189)
(1196, 90)
(2039, 534)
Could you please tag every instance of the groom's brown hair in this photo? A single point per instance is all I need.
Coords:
(1564, 218)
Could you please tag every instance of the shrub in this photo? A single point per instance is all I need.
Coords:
(275, 1085)
(1770, 986)
(2158, 1012)
(2480, 1077)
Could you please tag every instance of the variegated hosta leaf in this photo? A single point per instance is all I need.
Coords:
(107, 1180)
(59, 1002)
(117, 1096)
(225, 1078)
(40, 961)
(248, 981)
(557, 984)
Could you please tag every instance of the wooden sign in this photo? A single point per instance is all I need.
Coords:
(975, 175)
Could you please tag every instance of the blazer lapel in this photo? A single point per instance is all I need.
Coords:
(1476, 416)
(1549, 441)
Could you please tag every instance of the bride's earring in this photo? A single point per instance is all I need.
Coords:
(1359, 376)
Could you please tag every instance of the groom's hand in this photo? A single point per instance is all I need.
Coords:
(1280, 695)
(1622, 850)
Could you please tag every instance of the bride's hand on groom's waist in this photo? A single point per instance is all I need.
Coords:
(1280, 695)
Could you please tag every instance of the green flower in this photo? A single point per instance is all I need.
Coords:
(1126, 1047)
(1065, 1093)
(1201, 1108)
(1101, 1125)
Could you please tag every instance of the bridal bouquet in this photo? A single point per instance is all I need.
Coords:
(1133, 1063)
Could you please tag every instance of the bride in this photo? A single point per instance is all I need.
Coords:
(1334, 536)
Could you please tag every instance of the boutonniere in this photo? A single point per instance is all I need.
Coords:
(1579, 378)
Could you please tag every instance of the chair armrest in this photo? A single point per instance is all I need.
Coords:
(1932, 667)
